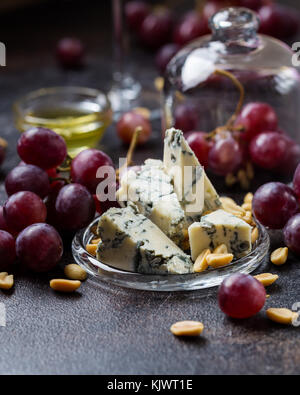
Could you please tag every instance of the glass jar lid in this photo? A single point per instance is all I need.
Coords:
(234, 45)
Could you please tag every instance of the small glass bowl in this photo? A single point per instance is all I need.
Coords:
(100, 271)
(79, 115)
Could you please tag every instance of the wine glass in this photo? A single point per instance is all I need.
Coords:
(125, 90)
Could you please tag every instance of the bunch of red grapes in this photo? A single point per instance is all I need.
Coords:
(42, 202)
(276, 206)
(158, 29)
(256, 137)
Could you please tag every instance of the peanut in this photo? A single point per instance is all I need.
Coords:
(248, 198)
(247, 207)
(280, 256)
(96, 241)
(219, 260)
(187, 328)
(231, 207)
(3, 143)
(248, 218)
(6, 281)
(243, 179)
(250, 171)
(201, 263)
(221, 249)
(254, 235)
(282, 316)
(267, 279)
(230, 180)
(75, 272)
(143, 111)
(159, 83)
(92, 249)
(66, 286)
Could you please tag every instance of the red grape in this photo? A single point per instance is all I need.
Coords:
(296, 181)
(291, 158)
(156, 28)
(85, 166)
(39, 248)
(136, 12)
(4, 225)
(164, 56)
(225, 156)
(274, 204)
(128, 124)
(50, 202)
(200, 145)
(291, 234)
(192, 26)
(23, 209)
(27, 178)
(241, 296)
(212, 7)
(42, 147)
(278, 21)
(257, 118)
(52, 173)
(103, 206)
(97, 204)
(75, 207)
(7, 250)
(252, 4)
(268, 150)
(70, 52)
(186, 117)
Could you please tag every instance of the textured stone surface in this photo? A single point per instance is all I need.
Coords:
(109, 330)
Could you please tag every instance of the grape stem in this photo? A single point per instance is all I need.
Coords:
(229, 126)
(131, 150)
(199, 5)
(241, 89)
(66, 180)
(68, 165)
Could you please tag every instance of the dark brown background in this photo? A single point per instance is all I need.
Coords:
(106, 330)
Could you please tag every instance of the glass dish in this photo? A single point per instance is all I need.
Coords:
(79, 115)
(101, 272)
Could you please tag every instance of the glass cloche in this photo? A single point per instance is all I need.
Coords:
(235, 81)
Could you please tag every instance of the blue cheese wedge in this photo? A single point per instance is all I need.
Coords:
(168, 215)
(133, 243)
(151, 190)
(219, 228)
(191, 184)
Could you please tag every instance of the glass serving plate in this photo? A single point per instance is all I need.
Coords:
(101, 271)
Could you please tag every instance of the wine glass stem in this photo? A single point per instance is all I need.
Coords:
(119, 42)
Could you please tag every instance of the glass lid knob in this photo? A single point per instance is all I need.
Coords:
(236, 25)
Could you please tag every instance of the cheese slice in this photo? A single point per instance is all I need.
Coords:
(151, 190)
(131, 242)
(191, 184)
(219, 228)
(168, 215)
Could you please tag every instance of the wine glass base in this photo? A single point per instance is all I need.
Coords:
(127, 94)
(124, 95)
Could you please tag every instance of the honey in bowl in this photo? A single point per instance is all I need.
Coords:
(79, 115)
